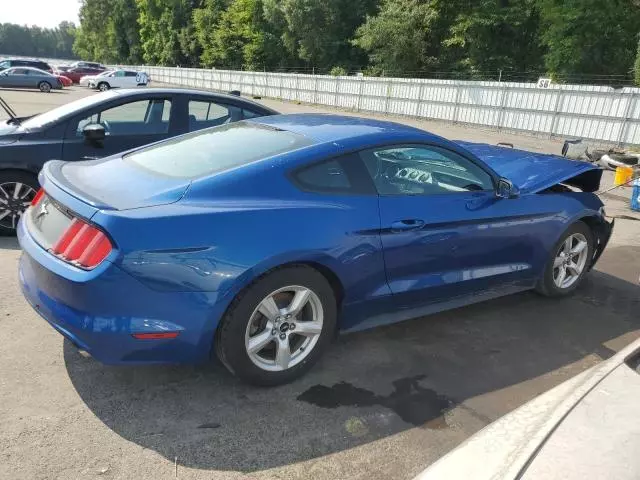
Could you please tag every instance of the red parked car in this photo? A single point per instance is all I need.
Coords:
(66, 81)
(75, 74)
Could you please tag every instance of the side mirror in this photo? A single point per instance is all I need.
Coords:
(506, 189)
(94, 133)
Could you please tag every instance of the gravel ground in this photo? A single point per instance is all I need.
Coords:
(382, 404)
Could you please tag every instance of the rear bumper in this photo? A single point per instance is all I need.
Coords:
(99, 313)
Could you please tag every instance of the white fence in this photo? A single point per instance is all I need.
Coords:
(595, 113)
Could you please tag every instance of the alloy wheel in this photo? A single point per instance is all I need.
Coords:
(570, 261)
(15, 198)
(284, 328)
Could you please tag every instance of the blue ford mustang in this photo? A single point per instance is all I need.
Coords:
(258, 240)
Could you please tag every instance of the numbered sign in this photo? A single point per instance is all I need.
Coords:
(544, 82)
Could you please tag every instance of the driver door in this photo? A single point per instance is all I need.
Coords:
(127, 125)
(445, 234)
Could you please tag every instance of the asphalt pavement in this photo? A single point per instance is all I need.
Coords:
(381, 404)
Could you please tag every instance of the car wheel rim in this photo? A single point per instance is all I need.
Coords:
(570, 260)
(103, 87)
(284, 328)
(15, 197)
(45, 87)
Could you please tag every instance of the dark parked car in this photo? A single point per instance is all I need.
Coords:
(101, 125)
(76, 73)
(27, 77)
(22, 62)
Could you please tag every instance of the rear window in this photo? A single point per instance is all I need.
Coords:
(216, 149)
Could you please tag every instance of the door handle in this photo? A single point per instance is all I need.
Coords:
(408, 224)
(89, 157)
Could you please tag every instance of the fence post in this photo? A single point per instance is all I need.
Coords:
(335, 97)
(556, 112)
(626, 122)
(456, 106)
(360, 94)
(281, 80)
(315, 90)
(502, 106)
(297, 95)
(420, 94)
(386, 101)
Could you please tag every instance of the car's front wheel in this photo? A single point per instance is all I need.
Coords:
(277, 328)
(17, 189)
(568, 262)
(103, 86)
(44, 87)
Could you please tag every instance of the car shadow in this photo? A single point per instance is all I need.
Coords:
(368, 386)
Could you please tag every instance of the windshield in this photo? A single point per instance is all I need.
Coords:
(54, 115)
(216, 149)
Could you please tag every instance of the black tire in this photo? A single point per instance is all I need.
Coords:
(230, 337)
(546, 285)
(44, 87)
(103, 86)
(15, 176)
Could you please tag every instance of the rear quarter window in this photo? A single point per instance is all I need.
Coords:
(216, 149)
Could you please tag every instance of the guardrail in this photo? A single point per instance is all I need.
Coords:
(594, 113)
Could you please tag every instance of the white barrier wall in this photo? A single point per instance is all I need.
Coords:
(576, 111)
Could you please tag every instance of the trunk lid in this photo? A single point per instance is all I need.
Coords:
(108, 184)
(534, 172)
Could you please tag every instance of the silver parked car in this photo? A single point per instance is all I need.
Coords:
(27, 77)
(585, 428)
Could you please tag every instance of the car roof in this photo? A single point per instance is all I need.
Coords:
(191, 91)
(334, 128)
(25, 67)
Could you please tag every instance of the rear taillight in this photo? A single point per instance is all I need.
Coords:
(37, 197)
(82, 244)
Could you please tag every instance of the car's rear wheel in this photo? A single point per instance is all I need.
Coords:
(103, 86)
(278, 327)
(568, 262)
(44, 87)
(17, 189)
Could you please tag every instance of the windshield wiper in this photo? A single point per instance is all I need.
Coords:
(14, 118)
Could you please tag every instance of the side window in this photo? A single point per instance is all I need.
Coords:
(246, 114)
(119, 74)
(327, 176)
(423, 170)
(130, 74)
(203, 114)
(143, 117)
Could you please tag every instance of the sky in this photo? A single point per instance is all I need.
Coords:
(44, 13)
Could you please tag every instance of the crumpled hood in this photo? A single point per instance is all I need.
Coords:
(534, 172)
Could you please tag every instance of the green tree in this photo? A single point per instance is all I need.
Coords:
(205, 23)
(319, 32)
(496, 35)
(406, 35)
(636, 66)
(38, 42)
(165, 35)
(589, 37)
(242, 38)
